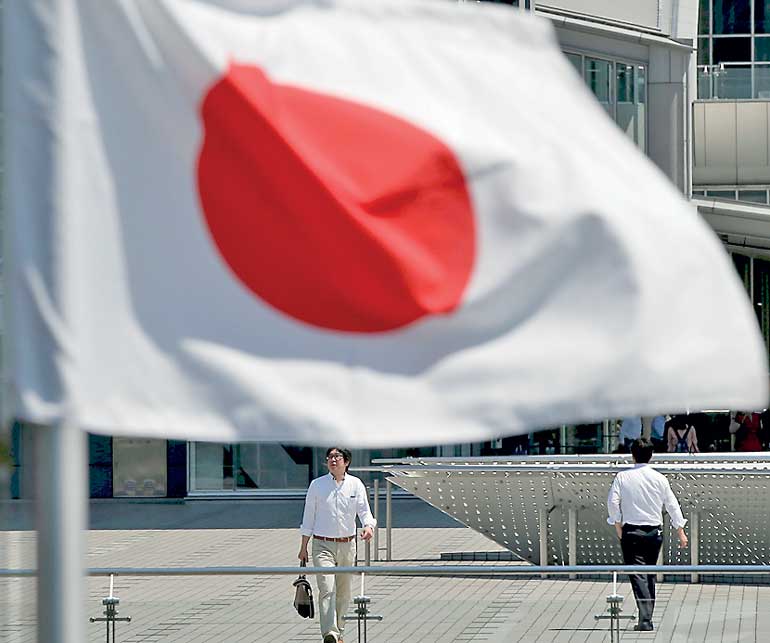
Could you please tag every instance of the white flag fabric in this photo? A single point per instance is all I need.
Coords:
(368, 223)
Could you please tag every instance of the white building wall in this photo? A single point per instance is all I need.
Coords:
(732, 142)
(667, 93)
(668, 105)
(642, 13)
(680, 19)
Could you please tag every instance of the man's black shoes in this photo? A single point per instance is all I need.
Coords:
(642, 627)
(330, 638)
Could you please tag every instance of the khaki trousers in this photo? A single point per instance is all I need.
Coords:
(334, 590)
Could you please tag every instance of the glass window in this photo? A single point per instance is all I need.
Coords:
(624, 83)
(212, 467)
(704, 16)
(705, 80)
(630, 94)
(733, 82)
(138, 467)
(761, 16)
(721, 194)
(597, 74)
(742, 264)
(577, 61)
(641, 84)
(699, 192)
(249, 466)
(762, 49)
(732, 50)
(732, 16)
(761, 81)
(704, 57)
(753, 196)
(272, 466)
(762, 295)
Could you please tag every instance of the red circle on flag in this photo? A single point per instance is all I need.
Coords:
(333, 212)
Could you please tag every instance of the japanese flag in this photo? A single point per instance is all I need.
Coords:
(368, 223)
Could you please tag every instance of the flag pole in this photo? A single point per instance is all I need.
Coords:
(62, 509)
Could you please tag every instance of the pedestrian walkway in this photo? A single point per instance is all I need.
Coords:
(237, 609)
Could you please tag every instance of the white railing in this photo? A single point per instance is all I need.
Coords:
(416, 570)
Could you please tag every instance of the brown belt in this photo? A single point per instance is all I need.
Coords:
(347, 539)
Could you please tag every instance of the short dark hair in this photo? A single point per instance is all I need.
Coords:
(346, 455)
(642, 450)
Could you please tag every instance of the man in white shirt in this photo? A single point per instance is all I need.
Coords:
(331, 505)
(635, 506)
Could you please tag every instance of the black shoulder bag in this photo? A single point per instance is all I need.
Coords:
(303, 596)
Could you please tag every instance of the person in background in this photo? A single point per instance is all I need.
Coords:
(747, 438)
(635, 506)
(331, 505)
(736, 417)
(630, 430)
(658, 433)
(682, 436)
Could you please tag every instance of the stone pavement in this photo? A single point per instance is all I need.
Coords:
(415, 609)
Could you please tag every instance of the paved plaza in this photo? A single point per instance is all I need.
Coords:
(416, 609)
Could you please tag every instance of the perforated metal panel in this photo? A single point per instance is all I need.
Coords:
(504, 500)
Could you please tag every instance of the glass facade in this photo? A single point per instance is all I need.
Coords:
(734, 49)
(251, 468)
(621, 89)
(754, 272)
(745, 193)
(248, 467)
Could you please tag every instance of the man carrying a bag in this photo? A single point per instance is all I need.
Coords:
(331, 506)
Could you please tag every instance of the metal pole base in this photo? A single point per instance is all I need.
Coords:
(110, 616)
(614, 614)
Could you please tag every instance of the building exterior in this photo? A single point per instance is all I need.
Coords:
(731, 153)
(702, 117)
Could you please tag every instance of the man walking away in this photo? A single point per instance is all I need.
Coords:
(331, 505)
(635, 506)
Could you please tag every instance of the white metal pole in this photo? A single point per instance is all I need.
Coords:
(62, 509)
(543, 526)
(377, 519)
(572, 538)
(662, 554)
(695, 544)
(388, 519)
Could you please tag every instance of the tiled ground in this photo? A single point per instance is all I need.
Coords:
(419, 609)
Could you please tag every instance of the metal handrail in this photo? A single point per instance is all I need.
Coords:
(732, 456)
(706, 468)
(416, 570)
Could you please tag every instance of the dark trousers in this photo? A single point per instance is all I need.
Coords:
(641, 546)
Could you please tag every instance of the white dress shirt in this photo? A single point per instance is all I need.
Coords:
(637, 496)
(331, 507)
